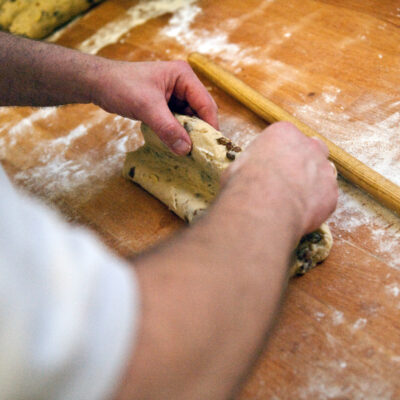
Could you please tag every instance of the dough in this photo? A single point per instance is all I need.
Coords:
(312, 249)
(37, 18)
(187, 185)
(9, 10)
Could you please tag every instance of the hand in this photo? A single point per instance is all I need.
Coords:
(292, 168)
(148, 91)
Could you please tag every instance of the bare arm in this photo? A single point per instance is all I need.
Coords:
(42, 74)
(210, 296)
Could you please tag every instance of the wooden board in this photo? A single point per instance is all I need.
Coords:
(333, 64)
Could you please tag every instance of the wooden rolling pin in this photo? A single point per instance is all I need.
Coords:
(380, 188)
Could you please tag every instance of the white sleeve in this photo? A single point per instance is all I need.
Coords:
(68, 307)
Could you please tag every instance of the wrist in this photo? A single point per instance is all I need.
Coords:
(72, 76)
(95, 79)
(267, 198)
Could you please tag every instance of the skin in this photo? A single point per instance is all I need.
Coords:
(209, 296)
(40, 74)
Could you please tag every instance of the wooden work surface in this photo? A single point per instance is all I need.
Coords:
(335, 65)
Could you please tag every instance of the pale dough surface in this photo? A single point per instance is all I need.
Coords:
(37, 18)
(187, 185)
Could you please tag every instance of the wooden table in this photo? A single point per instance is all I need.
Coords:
(335, 65)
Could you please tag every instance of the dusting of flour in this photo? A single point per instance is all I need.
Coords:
(210, 42)
(60, 176)
(134, 16)
(56, 175)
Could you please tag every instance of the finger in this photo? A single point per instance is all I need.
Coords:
(322, 145)
(160, 119)
(334, 169)
(198, 97)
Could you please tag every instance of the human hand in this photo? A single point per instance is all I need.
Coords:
(148, 91)
(293, 169)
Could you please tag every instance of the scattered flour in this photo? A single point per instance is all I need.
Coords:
(329, 98)
(319, 315)
(56, 176)
(210, 42)
(359, 324)
(134, 16)
(356, 211)
(60, 176)
(337, 317)
(393, 289)
(340, 384)
(24, 127)
(377, 145)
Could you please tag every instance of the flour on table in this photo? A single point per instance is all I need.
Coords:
(393, 289)
(134, 16)
(55, 175)
(210, 42)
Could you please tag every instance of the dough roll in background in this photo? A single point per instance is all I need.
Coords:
(38, 18)
(9, 10)
(188, 185)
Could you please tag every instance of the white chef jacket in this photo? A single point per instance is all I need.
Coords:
(68, 307)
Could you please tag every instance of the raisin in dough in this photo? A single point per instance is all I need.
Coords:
(188, 184)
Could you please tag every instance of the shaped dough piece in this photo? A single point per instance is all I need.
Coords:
(10, 9)
(187, 185)
(312, 249)
(37, 18)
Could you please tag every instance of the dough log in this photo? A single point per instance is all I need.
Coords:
(37, 18)
(187, 185)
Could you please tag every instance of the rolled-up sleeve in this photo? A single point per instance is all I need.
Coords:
(68, 307)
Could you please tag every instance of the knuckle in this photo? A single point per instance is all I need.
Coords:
(166, 131)
(203, 107)
(181, 64)
(286, 130)
(285, 126)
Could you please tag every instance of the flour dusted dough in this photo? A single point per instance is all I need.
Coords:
(188, 184)
(185, 184)
(37, 18)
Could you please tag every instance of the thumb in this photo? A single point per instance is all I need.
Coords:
(168, 129)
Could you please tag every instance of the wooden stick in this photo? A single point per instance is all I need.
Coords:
(380, 188)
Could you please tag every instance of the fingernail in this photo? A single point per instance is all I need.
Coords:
(316, 138)
(181, 147)
(334, 168)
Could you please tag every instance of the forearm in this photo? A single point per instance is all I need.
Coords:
(42, 74)
(209, 299)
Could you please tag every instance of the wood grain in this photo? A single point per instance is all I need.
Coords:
(380, 188)
(332, 64)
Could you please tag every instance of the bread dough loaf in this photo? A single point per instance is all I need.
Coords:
(188, 184)
(37, 18)
(185, 184)
(9, 10)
